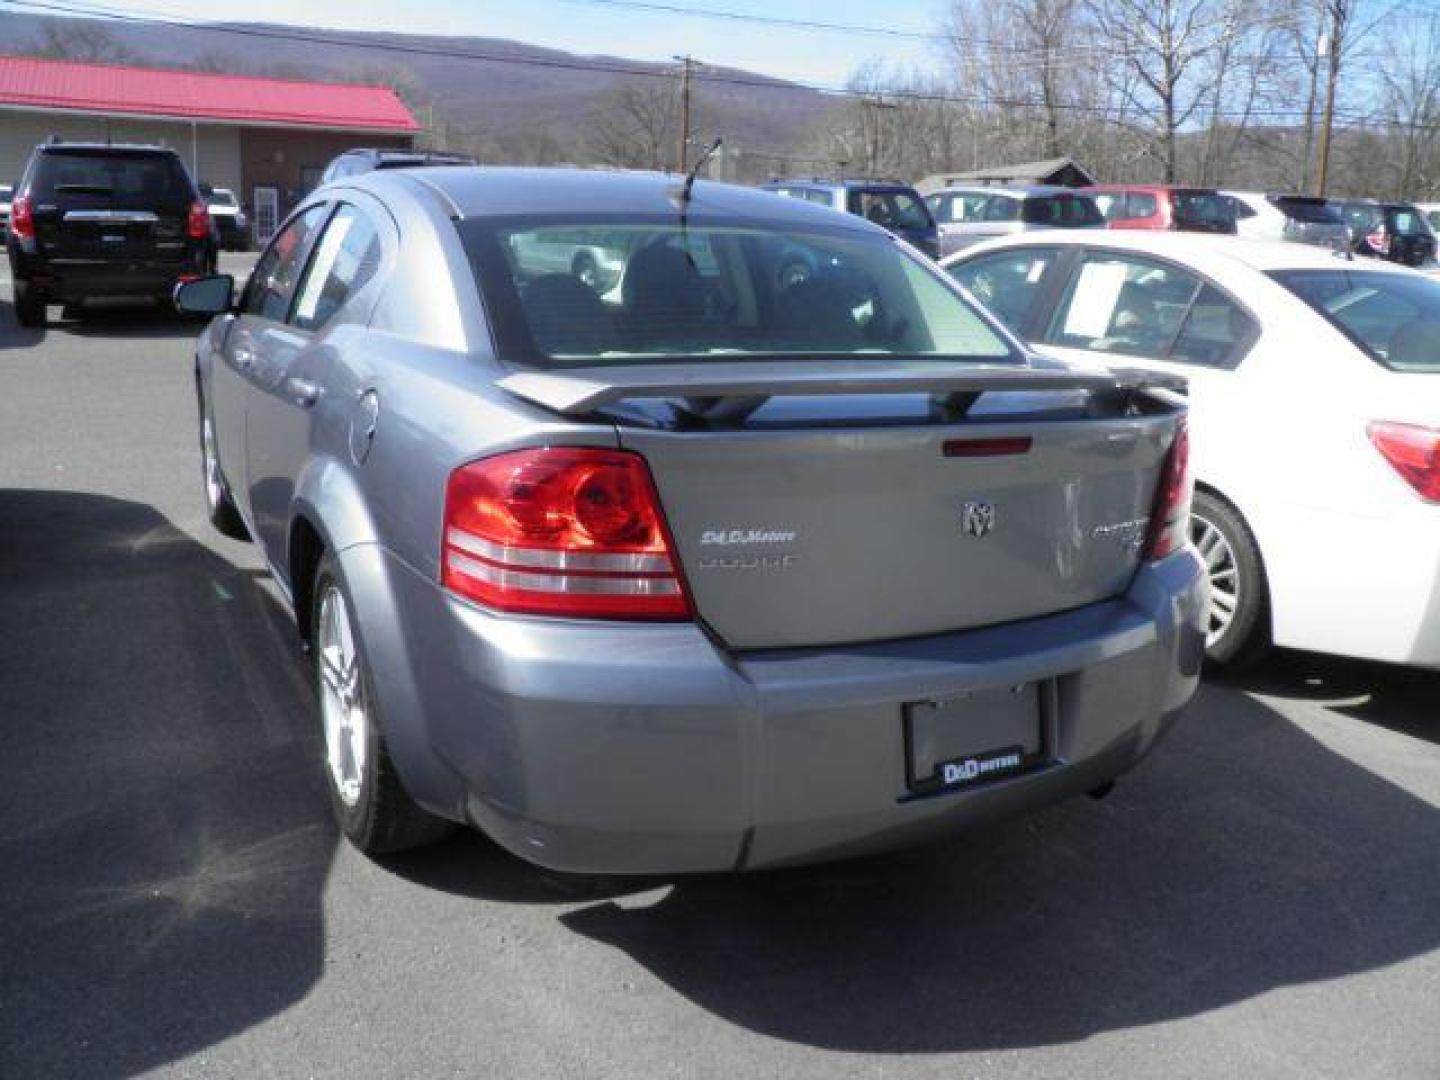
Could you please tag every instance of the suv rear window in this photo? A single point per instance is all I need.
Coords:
(124, 179)
(1062, 212)
(1208, 209)
(1310, 211)
(890, 209)
(1393, 317)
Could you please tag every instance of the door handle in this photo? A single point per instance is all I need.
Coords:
(302, 392)
(242, 358)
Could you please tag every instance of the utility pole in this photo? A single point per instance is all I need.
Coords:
(690, 64)
(1338, 14)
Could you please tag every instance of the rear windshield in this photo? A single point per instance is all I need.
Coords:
(891, 209)
(1310, 211)
(116, 178)
(1063, 212)
(1205, 208)
(1395, 317)
(565, 293)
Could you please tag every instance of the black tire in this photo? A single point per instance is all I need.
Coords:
(29, 308)
(380, 818)
(219, 504)
(1246, 637)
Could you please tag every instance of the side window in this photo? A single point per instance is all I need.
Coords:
(1215, 330)
(1009, 283)
(272, 282)
(1002, 208)
(345, 259)
(1125, 305)
(1140, 204)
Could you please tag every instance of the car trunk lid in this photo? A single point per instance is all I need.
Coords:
(795, 528)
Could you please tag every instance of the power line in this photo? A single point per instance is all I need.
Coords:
(354, 40)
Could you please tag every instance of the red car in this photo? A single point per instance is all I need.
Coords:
(1156, 206)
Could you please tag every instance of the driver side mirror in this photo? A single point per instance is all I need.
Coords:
(207, 295)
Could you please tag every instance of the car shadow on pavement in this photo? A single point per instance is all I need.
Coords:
(129, 322)
(1401, 699)
(1242, 857)
(164, 832)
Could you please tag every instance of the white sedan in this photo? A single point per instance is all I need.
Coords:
(1315, 418)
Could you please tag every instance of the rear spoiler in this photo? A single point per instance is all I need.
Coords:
(580, 391)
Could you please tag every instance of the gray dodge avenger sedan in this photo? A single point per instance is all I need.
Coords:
(694, 566)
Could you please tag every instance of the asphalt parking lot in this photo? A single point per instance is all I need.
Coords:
(1261, 898)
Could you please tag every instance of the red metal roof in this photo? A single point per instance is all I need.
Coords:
(241, 99)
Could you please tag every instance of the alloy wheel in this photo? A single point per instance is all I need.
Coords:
(342, 696)
(214, 485)
(1224, 573)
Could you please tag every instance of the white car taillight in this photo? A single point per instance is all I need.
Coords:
(1170, 520)
(561, 531)
(1413, 452)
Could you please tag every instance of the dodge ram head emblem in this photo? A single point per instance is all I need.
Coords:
(977, 518)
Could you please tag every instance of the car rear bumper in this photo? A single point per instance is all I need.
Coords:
(622, 748)
(68, 280)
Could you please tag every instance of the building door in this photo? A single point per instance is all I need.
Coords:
(267, 214)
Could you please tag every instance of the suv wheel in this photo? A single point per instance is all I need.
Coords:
(29, 308)
(373, 809)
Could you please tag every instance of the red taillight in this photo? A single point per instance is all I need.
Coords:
(561, 531)
(1413, 452)
(1170, 520)
(22, 218)
(197, 221)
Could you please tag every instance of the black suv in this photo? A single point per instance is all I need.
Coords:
(363, 160)
(94, 220)
(1394, 231)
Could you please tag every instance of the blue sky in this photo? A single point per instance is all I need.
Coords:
(584, 26)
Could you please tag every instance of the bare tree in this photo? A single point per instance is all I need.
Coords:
(635, 125)
(1159, 46)
(72, 39)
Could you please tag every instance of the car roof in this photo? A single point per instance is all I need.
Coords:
(1199, 188)
(494, 191)
(1014, 191)
(1211, 249)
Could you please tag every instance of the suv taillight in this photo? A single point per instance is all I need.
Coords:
(22, 219)
(1170, 520)
(1413, 452)
(561, 531)
(197, 221)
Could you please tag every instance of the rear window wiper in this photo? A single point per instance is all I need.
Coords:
(84, 189)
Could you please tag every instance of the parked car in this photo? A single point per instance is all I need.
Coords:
(1432, 214)
(1314, 394)
(367, 159)
(967, 215)
(712, 573)
(94, 220)
(7, 192)
(892, 206)
(1396, 232)
(1305, 219)
(1158, 206)
(231, 225)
